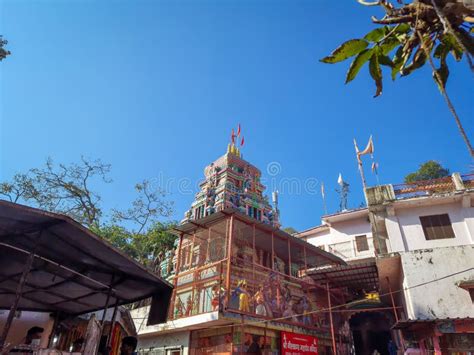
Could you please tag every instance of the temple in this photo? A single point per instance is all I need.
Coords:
(232, 182)
(239, 280)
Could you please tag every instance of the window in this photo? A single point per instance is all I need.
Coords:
(437, 226)
(361, 243)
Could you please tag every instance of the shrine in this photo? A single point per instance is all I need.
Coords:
(240, 281)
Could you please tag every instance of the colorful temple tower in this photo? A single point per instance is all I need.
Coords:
(232, 182)
(240, 282)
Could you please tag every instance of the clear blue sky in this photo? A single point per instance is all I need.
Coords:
(154, 88)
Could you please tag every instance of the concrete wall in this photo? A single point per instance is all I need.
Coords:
(406, 233)
(27, 320)
(442, 298)
(341, 237)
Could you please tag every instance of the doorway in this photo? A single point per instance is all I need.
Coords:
(370, 331)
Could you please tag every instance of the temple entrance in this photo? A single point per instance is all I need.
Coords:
(370, 331)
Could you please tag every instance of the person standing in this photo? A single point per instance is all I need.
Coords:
(129, 345)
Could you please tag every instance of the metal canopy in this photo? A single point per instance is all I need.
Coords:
(356, 276)
(73, 270)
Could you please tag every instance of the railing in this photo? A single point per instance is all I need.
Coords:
(425, 187)
(468, 181)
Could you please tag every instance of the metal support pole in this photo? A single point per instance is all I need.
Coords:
(395, 313)
(175, 279)
(273, 254)
(229, 257)
(242, 334)
(331, 322)
(53, 329)
(112, 322)
(254, 252)
(393, 300)
(107, 300)
(305, 263)
(265, 339)
(19, 290)
(289, 257)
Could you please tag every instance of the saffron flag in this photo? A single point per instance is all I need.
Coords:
(238, 130)
(369, 149)
(242, 142)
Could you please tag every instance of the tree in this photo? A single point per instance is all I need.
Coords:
(427, 171)
(3, 52)
(148, 247)
(61, 188)
(148, 205)
(69, 189)
(418, 32)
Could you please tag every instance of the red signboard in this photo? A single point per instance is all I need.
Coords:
(298, 344)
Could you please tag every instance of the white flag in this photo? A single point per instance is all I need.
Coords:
(369, 149)
(339, 180)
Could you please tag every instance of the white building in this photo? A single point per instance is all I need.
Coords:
(405, 217)
(421, 238)
(347, 234)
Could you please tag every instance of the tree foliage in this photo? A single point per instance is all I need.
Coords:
(427, 171)
(410, 35)
(70, 189)
(148, 247)
(3, 52)
(407, 33)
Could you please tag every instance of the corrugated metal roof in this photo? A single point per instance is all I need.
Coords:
(73, 268)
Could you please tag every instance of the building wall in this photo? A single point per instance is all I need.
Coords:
(27, 320)
(339, 238)
(442, 298)
(175, 340)
(406, 233)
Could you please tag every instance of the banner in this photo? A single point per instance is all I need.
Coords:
(298, 344)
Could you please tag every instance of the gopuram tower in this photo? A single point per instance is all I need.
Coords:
(232, 182)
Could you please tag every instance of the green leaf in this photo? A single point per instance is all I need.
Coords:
(443, 72)
(376, 35)
(385, 60)
(440, 50)
(403, 28)
(397, 62)
(346, 50)
(389, 44)
(376, 73)
(419, 59)
(453, 45)
(357, 64)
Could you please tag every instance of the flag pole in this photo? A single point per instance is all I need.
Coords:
(323, 194)
(376, 172)
(361, 169)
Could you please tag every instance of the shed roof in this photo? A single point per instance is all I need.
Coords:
(73, 270)
(362, 275)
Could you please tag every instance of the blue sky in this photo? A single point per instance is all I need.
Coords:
(154, 88)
